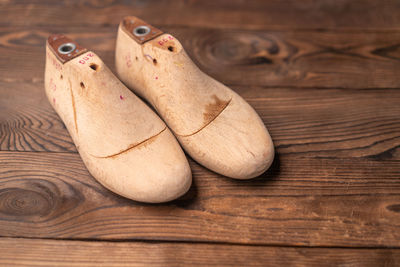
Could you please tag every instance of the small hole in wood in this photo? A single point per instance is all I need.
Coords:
(171, 48)
(141, 31)
(94, 67)
(61, 77)
(136, 58)
(82, 85)
(155, 61)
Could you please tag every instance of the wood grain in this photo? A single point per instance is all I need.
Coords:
(309, 122)
(80, 253)
(300, 201)
(253, 14)
(323, 75)
(338, 59)
(332, 59)
(28, 122)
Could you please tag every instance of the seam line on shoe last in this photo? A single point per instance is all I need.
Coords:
(132, 146)
(204, 126)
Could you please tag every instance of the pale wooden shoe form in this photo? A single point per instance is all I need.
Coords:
(122, 142)
(216, 126)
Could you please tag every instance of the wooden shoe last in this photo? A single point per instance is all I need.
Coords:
(216, 126)
(123, 143)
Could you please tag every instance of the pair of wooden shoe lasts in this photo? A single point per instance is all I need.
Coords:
(123, 143)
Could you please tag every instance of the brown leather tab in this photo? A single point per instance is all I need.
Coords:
(139, 30)
(64, 48)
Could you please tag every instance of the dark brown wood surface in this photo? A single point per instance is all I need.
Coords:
(75, 253)
(324, 77)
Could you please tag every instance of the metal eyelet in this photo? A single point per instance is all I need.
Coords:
(141, 31)
(66, 48)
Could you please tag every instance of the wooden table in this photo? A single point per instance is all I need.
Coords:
(323, 75)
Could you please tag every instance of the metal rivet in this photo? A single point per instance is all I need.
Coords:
(66, 48)
(141, 31)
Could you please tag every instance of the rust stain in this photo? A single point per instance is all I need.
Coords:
(143, 143)
(211, 112)
(73, 105)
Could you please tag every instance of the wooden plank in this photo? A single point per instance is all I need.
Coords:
(338, 59)
(33, 252)
(28, 122)
(278, 55)
(306, 122)
(254, 14)
(321, 59)
(299, 201)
